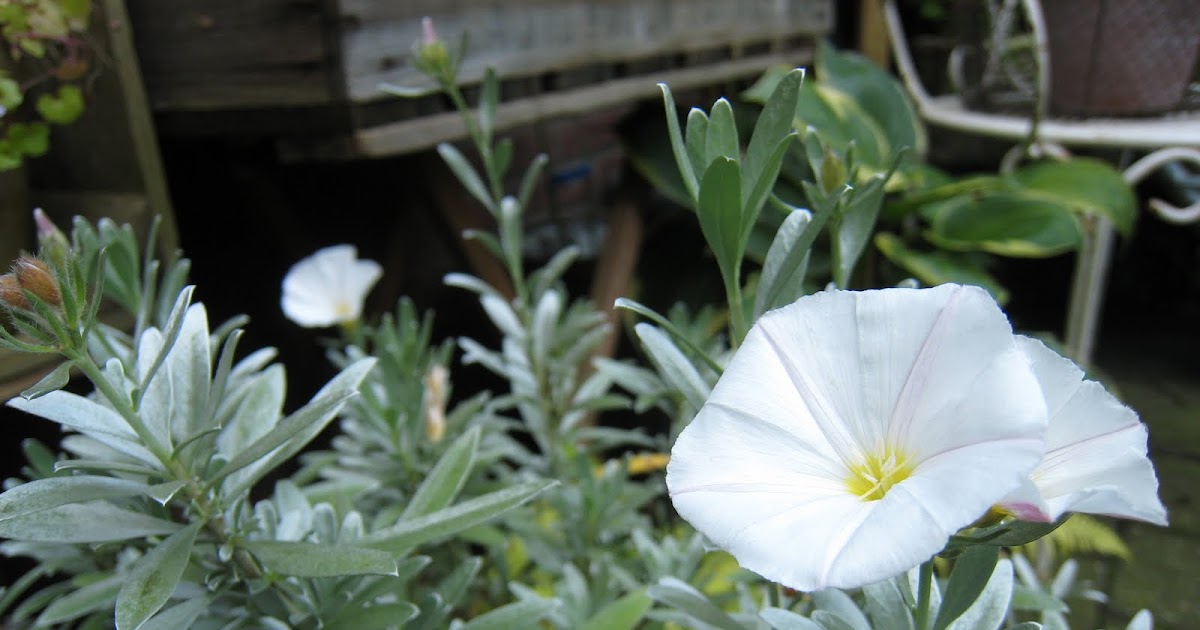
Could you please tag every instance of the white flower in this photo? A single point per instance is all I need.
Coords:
(328, 287)
(854, 432)
(1095, 459)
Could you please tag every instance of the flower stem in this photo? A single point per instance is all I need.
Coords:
(924, 588)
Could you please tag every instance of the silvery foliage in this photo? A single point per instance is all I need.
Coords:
(146, 517)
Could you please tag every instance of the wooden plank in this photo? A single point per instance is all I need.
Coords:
(538, 36)
(425, 132)
(212, 54)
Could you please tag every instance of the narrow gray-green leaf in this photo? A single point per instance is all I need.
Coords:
(781, 619)
(91, 522)
(773, 125)
(971, 574)
(886, 607)
(444, 482)
(82, 601)
(315, 415)
(409, 533)
(720, 213)
(302, 559)
(756, 188)
(522, 614)
(673, 365)
(783, 271)
(690, 181)
(466, 174)
(42, 494)
(839, 603)
(530, 180)
(621, 614)
(991, 607)
(695, 137)
(681, 596)
(489, 97)
(855, 226)
(153, 577)
(665, 324)
(178, 616)
(722, 137)
(52, 382)
(89, 418)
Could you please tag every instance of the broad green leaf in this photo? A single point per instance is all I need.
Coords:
(466, 174)
(622, 614)
(720, 213)
(522, 614)
(991, 607)
(84, 600)
(971, 574)
(63, 106)
(153, 577)
(783, 271)
(686, 599)
(444, 482)
(295, 431)
(1005, 223)
(721, 139)
(10, 93)
(674, 366)
(409, 533)
(877, 91)
(840, 122)
(52, 382)
(32, 139)
(1086, 186)
(303, 559)
(43, 494)
(91, 522)
(781, 619)
(682, 162)
(181, 615)
(938, 267)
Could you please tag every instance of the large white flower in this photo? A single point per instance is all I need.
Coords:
(328, 287)
(1095, 457)
(854, 432)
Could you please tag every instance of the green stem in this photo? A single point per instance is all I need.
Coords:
(737, 315)
(924, 588)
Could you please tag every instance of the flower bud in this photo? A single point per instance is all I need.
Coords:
(432, 57)
(35, 276)
(833, 173)
(11, 294)
(435, 403)
(52, 243)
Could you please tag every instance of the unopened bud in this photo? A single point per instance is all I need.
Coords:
(432, 57)
(52, 243)
(11, 294)
(833, 173)
(35, 276)
(435, 403)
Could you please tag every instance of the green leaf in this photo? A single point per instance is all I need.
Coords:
(938, 267)
(444, 482)
(877, 91)
(681, 596)
(86, 599)
(178, 616)
(678, 335)
(622, 614)
(43, 494)
(682, 161)
(530, 180)
(991, 607)
(489, 97)
(674, 366)
(1029, 599)
(1086, 186)
(153, 577)
(773, 125)
(781, 619)
(522, 614)
(695, 138)
(11, 95)
(886, 606)
(1005, 223)
(62, 107)
(52, 382)
(376, 615)
(720, 213)
(295, 431)
(721, 139)
(971, 574)
(783, 271)
(466, 175)
(854, 225)
(303, 559)
(91, 522)
(32, 139)
(840, 604)
(409, 533)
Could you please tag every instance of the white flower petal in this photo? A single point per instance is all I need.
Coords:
(933, 376)
(1095, 458)
(328, 287)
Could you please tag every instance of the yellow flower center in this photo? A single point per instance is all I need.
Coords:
(872, 478)
(343, 310)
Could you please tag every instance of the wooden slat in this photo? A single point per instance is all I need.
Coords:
(226, 54)
(425, 132)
